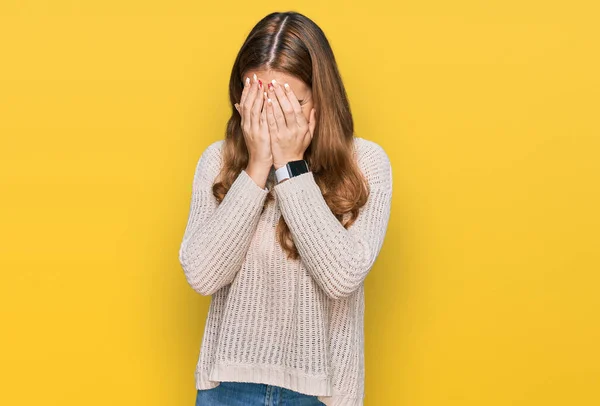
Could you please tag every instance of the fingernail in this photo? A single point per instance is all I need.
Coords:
(269, 101)
(260, 83)
(247, 81)
(255, 79)
(287, 87)
(274, 82)
(270, 87)
(265, 93)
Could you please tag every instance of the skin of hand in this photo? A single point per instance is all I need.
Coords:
(291, 132)
(290, 120)
(254, 124)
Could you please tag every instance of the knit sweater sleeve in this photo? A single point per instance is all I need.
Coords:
(339, 259)
(217, 236)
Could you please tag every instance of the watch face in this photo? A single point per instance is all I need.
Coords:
(296, 168)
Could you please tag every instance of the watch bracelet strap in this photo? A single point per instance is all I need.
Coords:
(282, 173)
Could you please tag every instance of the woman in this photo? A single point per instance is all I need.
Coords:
(288, 214)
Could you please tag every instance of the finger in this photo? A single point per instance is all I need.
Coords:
(285, 105)
(271, 121)
(263, 114)
(277, 112)
(255, 113)
(300, 119)
(249, 101)
(247, 84)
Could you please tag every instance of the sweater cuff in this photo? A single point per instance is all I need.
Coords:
(300, 185)
(244, 196)
(247, 183)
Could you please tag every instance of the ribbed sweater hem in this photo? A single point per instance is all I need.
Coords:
(268, 374)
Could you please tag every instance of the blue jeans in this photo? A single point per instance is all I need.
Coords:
(250, 394)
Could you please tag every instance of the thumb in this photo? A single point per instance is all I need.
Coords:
(312, 122)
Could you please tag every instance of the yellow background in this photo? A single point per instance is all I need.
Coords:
(486, 290)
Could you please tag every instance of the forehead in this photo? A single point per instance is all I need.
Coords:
(280, 77)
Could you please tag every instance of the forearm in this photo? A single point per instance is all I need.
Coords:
(213, 248)
(339, 259)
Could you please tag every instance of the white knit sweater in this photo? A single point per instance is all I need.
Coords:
(291, 323)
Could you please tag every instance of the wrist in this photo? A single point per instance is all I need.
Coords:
(259, 173)
(259, 167)
(278, 165)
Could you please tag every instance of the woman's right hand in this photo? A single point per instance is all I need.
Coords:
(253, 111)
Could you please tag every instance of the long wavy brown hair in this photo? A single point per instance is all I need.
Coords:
(292, 43)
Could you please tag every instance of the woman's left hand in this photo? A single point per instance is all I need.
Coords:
(290, 133)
